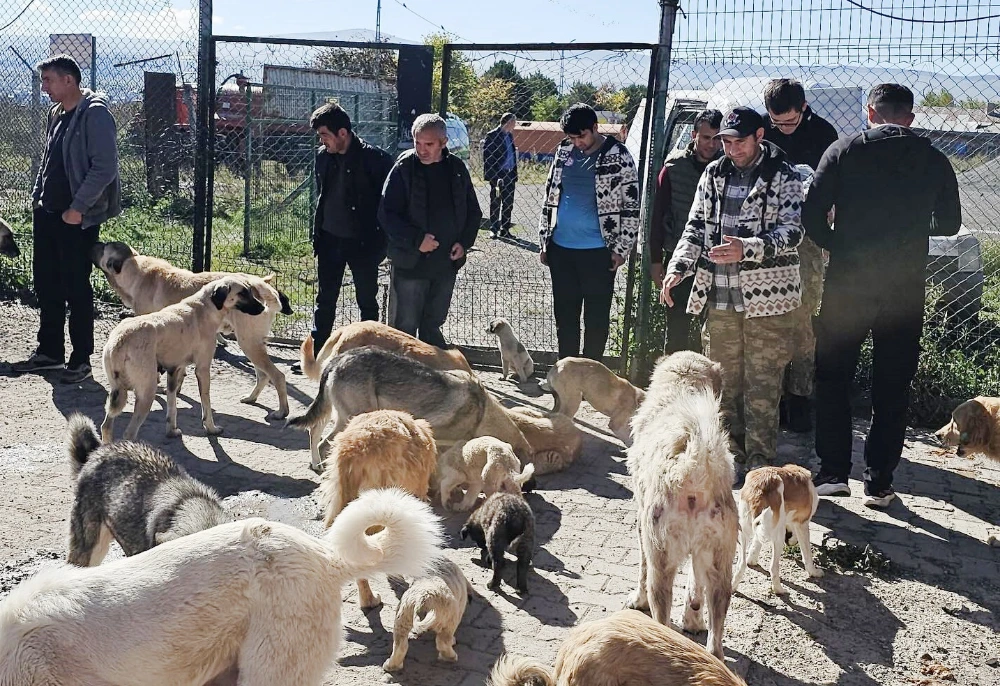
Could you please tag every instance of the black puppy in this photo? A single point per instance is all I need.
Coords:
(503, 520)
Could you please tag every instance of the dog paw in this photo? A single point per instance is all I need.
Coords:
(448, 657)
(636, 601)
(693, 622)
(779, 590)
(390, 666)
(371, 603)
(249, 400)
(275, 415)
(815, 572)
(214, 431)
(173, 433)
(318, 468)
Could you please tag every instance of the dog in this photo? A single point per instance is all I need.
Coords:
(574, 379)
(148, 284)
(435, 602)
(503, 520)
(253, 595)
(771, 500)
(370, 378)
(482, 465)
(554, 439)
(973, 428)
(626, 647)
(682, 473)
(359, 334)
(172, 338)
(132, 493)
(8, 246)
(377, 450)
(514, 357)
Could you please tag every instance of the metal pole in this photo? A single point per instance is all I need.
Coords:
(247, 180)
(210, 159)
(445, 78)
(202, 159)
(93, 63)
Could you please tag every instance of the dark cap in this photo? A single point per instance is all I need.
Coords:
(741, 122)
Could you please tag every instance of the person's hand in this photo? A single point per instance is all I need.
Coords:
(730, 252)
(657, 271)
(457, 252)
(429, 244)
(668, 284)
(543, 258)
(72, 217)
(616, 261)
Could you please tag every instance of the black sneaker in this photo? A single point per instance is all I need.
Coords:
(831, 485)
(36, 363)
(879, 499)
(296, 367)
(76, 373)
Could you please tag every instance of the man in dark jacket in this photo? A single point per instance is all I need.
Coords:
(892, 190)
(431, 216)
(675, 187)
(804, 136)
(349, 177)
(500, 169)
(76, 190)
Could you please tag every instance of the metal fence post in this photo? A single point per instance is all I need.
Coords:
(445, 77)
(203, 159)
(248, 168)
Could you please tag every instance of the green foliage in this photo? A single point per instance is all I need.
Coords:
(362, 62)
(549, 108)
(938, 99)
(461, 82)
(634, 93)
(582, 92)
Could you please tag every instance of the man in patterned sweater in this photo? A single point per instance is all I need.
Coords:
(740, 245)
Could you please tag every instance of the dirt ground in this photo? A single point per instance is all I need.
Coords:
(910, 595)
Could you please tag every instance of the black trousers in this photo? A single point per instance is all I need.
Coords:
(61, 270)
(333, 256)
(682, 333)
(501, 200)
(420, 305)
(581, 280)
(894, 316)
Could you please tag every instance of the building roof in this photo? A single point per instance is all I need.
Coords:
(608, 129)
(954, 120)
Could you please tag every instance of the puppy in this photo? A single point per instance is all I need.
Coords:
(257, 596)
(514, 356)
(574, 379)
(973, 428)
(359, 334)
(436, 602)
(484, 464)
(554, 439)
(8, 246)
(503, 520)
(132, 493)
(788, 496)
(377, 450)
(626, 647)
(173, 338)
(682, 474)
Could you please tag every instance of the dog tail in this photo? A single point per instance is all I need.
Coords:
(526, 475)
(406, 539)
(82, 440)
(424, 624)
(318, 411)
(307, 355)
(743, 541)
(511, 670)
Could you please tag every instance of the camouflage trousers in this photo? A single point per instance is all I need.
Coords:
(753, 352)
(802, 370)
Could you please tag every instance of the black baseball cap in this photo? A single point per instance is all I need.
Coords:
(741, 122)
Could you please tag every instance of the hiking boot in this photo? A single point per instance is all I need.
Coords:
(799, 413)
(36, 363)
(831, 485)
(879, 499)
(76, 373)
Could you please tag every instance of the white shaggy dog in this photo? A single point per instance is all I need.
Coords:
(253, 595)
(482, 465)
(682, 474)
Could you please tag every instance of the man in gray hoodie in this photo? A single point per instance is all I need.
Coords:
(77, 189)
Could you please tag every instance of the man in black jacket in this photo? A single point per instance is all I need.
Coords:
(892, 190)
(349, 178)
(431, 216)
(500, 169)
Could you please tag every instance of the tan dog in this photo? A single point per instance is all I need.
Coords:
(974, 428)
(626, 647)
(377, 450)
(440, 598)
(359, 334)
(772, 500)
(555, 440)
(575, 379)
(172, 338)
(514, 357)
(148, 284)
(8, 246)
(484, 465)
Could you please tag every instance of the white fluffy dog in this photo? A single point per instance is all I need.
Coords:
(253, 595)
(682, 474)
(482, 465)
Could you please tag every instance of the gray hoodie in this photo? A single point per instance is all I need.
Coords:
(90, 154)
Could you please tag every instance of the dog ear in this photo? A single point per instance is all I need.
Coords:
(219, 295)
(975, 429)
(464, 533)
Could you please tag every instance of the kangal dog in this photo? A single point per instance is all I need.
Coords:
(253, 595)
(555, 439)
(514, 357)
(377, 450)
(624, 648)
(682, 474)
(484, 465)
(772, 500)
(974, 428)
(575, 379)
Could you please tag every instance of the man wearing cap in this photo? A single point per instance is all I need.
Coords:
(739, 244)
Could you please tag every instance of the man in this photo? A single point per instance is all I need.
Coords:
(350, 173)
(76, 190)
(431, 216)
(675, 188)
(804, 136)
(892, 189)
(500, 169)
(588, 226)
(739, 244)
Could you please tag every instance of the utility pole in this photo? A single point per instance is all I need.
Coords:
(378, 21)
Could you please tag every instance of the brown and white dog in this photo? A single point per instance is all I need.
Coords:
(974, 428)
(8, 246)
(514, 357)
(484, 465)
(555, 440)
(575, 379)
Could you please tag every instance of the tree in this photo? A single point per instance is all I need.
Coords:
(523, 97)
(503, 69)
(461, 82)
(607, 98)
(490, 99)
(363, 62)
(549, 108)
(942, 99)
(582, 92)
(541, 86)
(973, 104)
(634, 93)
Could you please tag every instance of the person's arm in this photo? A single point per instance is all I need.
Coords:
(473, 212)
(545, 217)
(657, 228)
(947, 217)
(787, 232)
(821, 197)
(628, 217)
(393, 213)
(684, 261)
(102, 153)
(317, 179)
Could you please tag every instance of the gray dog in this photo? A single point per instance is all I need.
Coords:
(132, 493)
(503, 520)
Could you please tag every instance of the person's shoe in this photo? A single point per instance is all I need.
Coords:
(831, 485)
(505, 233)
(296, 367)
(494, 235)
(799, 413)
(76, 373)
(879, 499)
(36, 363)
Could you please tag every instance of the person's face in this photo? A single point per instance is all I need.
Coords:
(584, 140)
(509, 126)
(787, 122)
(742, 151)
(58, 86)
(429, 146)
(706, 145)
(335, 143)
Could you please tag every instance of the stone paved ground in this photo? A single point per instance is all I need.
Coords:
(851, 627)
